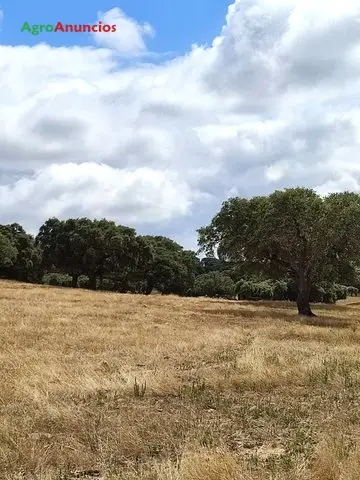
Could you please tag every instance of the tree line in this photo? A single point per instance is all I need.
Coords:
(291, 245)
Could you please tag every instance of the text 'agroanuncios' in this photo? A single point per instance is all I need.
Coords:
(68, 28)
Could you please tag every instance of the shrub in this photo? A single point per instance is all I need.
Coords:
(329, 293)
(83, 281)
(287, 290)
(340, 292)
(213, 284)
(247, 290)
(280, 290)
(317, 294)
(107, 284)
(264, 290)
(352, 291)
(57, 279)
(244, 290)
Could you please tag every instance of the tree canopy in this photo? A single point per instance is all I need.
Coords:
(293, 232)
(8, 252)
(172, 269)
(94, 248)
(20, 259)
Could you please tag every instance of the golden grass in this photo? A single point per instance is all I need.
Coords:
(225, 390)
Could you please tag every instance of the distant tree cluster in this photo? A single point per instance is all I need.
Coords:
(96, 254)
(100, 254)
(291, 245)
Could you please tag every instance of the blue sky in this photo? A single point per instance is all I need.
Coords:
(177, 23)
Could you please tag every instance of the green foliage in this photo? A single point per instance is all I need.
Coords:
(214, 284)
(83, 281)
(294, 231)
(107, 284)
(101, 254)
(247, 290)
(341, 292)
(57, 279)
(330, 292)
(171, 269)
(324, 292)
(265, 290)
(319, 293)
(280, 290)
(94, 248)
(352, 291)
(21, 259)
(329, 296)
(8, 252)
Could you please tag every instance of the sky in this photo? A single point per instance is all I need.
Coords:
(185, 105)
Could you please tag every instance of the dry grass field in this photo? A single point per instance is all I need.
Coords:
(107, 386)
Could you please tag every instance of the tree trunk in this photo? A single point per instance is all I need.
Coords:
(149, 286)
(92, 282)
(303, 297)
(74, 281)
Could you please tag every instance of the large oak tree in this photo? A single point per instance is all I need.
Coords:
(294, 232)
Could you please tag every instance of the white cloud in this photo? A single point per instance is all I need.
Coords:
(129, 38)
(131, 196)
(273, 102)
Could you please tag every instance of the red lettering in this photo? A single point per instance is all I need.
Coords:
(106, 28)
(113, 28)
(94, 28)
(59, 26)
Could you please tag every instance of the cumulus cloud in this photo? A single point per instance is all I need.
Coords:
(144, 194)
(272, 102)
(129, 38)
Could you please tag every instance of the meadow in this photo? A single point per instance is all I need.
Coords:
(108, 386)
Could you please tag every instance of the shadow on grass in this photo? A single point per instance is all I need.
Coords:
(325, 322)
(242, 312)
(348, 305)
(284, 311)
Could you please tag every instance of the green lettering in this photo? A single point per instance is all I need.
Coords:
(35, 30)
(26, 27)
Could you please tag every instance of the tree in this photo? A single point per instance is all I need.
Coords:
(95, 248)
(172, 269)
(211, 264)
(293, 233)
(62, 247)
(128, 260)
(8, 252)
(26, 264)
